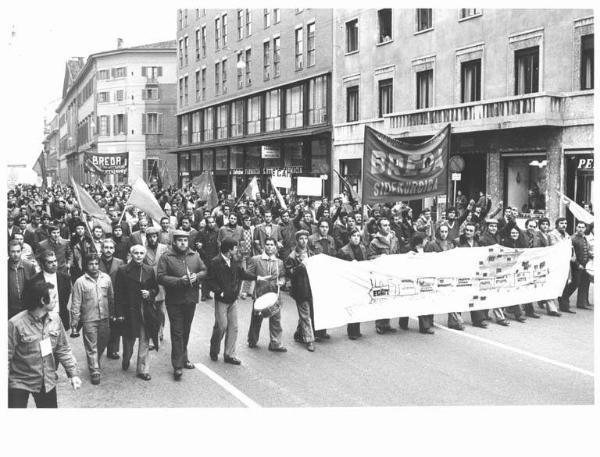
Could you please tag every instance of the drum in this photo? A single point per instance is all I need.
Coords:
(266, 305)
(589, 267)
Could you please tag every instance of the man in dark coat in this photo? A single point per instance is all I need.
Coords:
(19, 273)
(121, 243)
(224, 278)
(135, 289)
(580, 279)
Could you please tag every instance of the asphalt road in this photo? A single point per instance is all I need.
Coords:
(547, 361)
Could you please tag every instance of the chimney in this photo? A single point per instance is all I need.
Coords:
(119, 43)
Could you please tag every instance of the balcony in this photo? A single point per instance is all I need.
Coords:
(529, 110)
(354, 132)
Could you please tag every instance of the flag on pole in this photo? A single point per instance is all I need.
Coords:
(142, 198)
(205, 187)
(252, 189)
(279, 196)
(351, 192)
(89, 206)
(579, 213)
(40, 168)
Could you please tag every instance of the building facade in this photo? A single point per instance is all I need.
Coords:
(51, 145)
(254, 95)
(516, 85)
(118, 101)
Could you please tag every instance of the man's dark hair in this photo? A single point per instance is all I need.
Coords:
(45, 255)
(531, 219)
(270, 238)
(559, 220)
(35, 293)
(324, 219)
(90, 257)
(417, 238)
(227, 245)
(163, 218)
(542, 220)
(13, 243)
(450, 209)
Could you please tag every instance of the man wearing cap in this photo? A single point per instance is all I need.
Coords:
(180, 271)
(301, 293)
(61, 248)
(224, 278)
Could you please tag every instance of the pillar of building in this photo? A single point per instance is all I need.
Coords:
(494, 175)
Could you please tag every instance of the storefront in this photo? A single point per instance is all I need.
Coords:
(579, 182)
(526, 182)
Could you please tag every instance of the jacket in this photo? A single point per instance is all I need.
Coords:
(296, 270)
(260, 235)
(61, 248)
(225, 281)
(318, 246)
(288, 239)
(461, 242)
(261, 265)
(487, 239)
(92, 300)
(210, 247)
(151, 259)
(379, 245)
(18, 276)
(81, 249)
(581, 247)
(172, 266)
(227, 232)
(437, 245)
(346, 253)
(115, 265)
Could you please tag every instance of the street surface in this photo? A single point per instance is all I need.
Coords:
(547, 361)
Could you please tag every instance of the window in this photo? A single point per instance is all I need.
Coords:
(240, 24)
(185, 50)
(203, 84)
(217, 32)
(240, 71)
(299, 49)
(469, 12)
(198, 86)
(319, 156)
(151, 123)
(248, 62)
(248, 22)
(351, 171)
(424, 89)
(203, 41)
(272, 110)
(222, 121)
(267, 15)
(386, 96)
(224, 31)
(120, 95)
(152, 72)
(424, 19)
(185, 90)
(103, 125)
(276, 15)
(179, 19)
(181, 53)
(253, 123)
(237, 118)
(294, 107)
(526, 182)
(207, 126)
(217, 77)
(587, 62)
(185, 17)
(119, 124)
(150, 93)
(276, 56)
(352, 104)
(470, 81)
(224, 75)
(197, 45)
(384, 17)
(310, 42)
(103, 97)
(120, 72)
(266, 60)
(196, 127)
(180, 91)
(352, 36)
(207, 159)
(221, 159)
(103, 74)
(317, 100)
(527, 70)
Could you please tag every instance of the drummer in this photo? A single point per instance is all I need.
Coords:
(267, 265)
(225, 275)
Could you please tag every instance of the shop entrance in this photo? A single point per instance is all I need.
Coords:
(579, 181)
(473, 177)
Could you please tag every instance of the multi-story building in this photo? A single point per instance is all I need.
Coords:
(117, 101)
(516, 85)
(51, 145)
(254, 94)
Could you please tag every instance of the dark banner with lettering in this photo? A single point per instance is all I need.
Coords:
(107, 164)
(395, 170)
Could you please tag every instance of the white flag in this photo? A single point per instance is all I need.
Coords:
(142, 198)
(579, 213)
(279, 196)
(252, 189)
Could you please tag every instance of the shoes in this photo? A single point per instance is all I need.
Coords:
(233, 360)
(95, 378)
(113, 355)
(540, 305)
(277, 349)
(214, 357)
(585, 307)
(457, 327)
(427, 331)
(188, 365)
(125, 365)
(353, 337)
(379, 330)
(310, 347)
(403, 326)
(481, 324)
(503, 322)
(568, 310)
(252, 345)
(520, 319)
(382, 330)
(177, 374)
(554, 313)
(144, 376)
(534, 315)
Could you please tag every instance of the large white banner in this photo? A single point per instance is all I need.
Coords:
(463, 279)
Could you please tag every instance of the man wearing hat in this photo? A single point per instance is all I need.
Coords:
(301, 293)
(180, 271)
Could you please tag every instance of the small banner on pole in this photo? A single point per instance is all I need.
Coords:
(107, 164)
(395, 170)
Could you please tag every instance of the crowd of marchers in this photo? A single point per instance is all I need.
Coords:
(69, 275)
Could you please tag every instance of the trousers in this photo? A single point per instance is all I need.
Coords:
(274, 329)
(95, 339)
(425, 322)
(114, 342)
(143, 355)
(353, 329)
(580, 281)
(305, 323)
(226, 325)
(180, 320)
(18, 398)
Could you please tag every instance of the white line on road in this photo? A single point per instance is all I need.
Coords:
(247, 401)
(518, 351)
